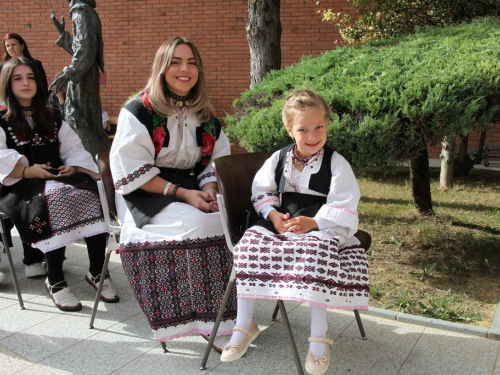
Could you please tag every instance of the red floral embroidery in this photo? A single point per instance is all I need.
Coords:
(158, 138)
(145, 99)
(208, 147)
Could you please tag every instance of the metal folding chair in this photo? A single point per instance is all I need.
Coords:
(6, 250)
(107, 197)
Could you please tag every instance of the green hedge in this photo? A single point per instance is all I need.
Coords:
(390, 99)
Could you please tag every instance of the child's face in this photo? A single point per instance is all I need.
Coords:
(309, 131)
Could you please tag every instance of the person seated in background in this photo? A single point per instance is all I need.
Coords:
(105, 122)
(47, 182)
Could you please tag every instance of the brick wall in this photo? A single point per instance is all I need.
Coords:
(492, 138)
(134, 29)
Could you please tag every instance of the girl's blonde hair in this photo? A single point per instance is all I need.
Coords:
(301, 101)
(157, 86)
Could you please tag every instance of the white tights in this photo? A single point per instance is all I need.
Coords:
(319, 323)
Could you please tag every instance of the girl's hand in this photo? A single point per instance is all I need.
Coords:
(65, 171)
(278, 219)
(211, 189)
(300, 224)
(39, 171)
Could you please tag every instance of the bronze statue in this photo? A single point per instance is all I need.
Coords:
(83, 104)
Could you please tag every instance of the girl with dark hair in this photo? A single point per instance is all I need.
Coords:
(15, 46)
(47, 187)
(172, 244)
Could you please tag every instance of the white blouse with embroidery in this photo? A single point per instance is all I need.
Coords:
(337, 217)
(132, 153)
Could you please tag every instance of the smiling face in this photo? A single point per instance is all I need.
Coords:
(182, 74)
(23, 85)
(14, 48)
(309, 131)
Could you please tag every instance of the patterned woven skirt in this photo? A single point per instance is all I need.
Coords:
(308, 268)
(73, 214)
(180, 284)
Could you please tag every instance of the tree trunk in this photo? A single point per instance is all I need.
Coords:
(264, 38)
(421, 183)
(447, 160)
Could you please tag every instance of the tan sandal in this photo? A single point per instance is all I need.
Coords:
(318, 365)
(235, 351)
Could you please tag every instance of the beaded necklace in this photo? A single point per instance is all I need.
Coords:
(301, 161)
(180, 101)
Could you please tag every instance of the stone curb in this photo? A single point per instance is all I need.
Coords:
(495, 326)
(492, 333)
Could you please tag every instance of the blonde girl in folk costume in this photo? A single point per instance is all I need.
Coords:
(172, 245)
(304, 249)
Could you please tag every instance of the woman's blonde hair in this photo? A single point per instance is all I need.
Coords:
(157, 86)
(301, 101)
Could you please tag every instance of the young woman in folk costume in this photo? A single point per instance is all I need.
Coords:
(304, 249)
(48, 189)
(172, 245)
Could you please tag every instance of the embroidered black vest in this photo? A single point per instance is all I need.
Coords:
(144, 112)
(143, 205)
(24, 202)
(38, 146)
(299, 204)
(317, 181)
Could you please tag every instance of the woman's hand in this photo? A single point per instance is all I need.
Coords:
(199, 199)
(278, 219)
(300, 224)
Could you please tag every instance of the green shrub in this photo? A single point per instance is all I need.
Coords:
(390, 99)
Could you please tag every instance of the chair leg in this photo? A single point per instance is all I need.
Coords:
(360, 324)
(275, 313)
(99, 288)
(164, 347)
(11, 264)
(229, 289)
(284, 315)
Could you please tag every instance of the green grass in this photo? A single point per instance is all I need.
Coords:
(446, 267)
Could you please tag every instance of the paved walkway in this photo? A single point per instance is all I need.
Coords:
(43, 340)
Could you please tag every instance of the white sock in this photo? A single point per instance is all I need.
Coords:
(243, 318)
(319, 328)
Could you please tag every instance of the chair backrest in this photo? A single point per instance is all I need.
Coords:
(102, 160)
(235, 174)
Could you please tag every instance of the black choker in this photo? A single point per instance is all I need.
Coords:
(28, 111)
(180, 101)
